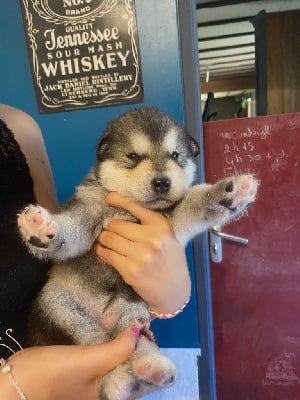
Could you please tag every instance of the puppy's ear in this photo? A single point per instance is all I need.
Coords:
(194, 146)
(102, 146)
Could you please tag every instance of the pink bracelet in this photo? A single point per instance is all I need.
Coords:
(154, 314)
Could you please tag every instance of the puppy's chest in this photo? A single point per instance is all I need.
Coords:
(90, 281)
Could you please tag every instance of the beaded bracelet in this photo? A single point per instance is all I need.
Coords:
(154, 314)
(6, 370)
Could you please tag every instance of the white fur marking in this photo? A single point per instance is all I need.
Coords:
(170, 141)
(140, 143)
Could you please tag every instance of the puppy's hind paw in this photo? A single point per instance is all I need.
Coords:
(155, 369)
(121, 384)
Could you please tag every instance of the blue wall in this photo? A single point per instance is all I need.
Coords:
(71, 137)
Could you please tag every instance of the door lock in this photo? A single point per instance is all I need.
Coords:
(215, 239)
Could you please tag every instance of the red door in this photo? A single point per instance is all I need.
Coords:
(256, 289)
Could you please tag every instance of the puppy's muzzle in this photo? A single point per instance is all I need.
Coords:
(161, 185)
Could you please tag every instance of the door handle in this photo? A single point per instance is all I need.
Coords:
(215, 239)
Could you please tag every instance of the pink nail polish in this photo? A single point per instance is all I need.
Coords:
(136, 332)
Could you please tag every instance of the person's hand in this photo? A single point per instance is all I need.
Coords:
(66, 372)
(147, 255)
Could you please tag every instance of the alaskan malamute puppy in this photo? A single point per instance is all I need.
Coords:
(146, 155)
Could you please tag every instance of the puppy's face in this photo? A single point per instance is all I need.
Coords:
(147, 156)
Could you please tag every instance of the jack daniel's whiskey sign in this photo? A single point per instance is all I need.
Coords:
(84, 53)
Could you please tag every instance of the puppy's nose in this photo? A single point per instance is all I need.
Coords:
(161, 185)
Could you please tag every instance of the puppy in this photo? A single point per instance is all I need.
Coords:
(148, 156)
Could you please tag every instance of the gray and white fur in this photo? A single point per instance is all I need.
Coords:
(148, 156)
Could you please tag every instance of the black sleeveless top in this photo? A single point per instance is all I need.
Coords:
(21, 275)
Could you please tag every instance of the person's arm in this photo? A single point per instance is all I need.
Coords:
(28, 134)
(65, 372)
(147, 255)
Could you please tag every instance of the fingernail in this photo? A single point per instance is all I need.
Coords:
(136, 332)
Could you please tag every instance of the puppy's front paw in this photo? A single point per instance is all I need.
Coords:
(239, 192)
(37, 227)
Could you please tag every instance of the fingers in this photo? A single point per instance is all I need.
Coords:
(125, 230)
(116, 260)
(144, 215)
(100, 359)
(131, 262)
(120, 349)
(128, 243)
(153, 227)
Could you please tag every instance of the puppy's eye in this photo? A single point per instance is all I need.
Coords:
(133, 157)
(175, 155)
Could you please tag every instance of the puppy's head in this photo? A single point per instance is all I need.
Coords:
(146, 155)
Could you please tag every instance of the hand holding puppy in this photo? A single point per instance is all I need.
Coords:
(147, 255)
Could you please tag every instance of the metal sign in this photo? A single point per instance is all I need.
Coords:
(84, 53)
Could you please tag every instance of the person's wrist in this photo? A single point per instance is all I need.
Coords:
(155, 313)
(9, 388)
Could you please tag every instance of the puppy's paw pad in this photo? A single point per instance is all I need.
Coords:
(161, 378)
(121, 384)
(229, 187)
(36, 226)
(239, 191)
(226, 203)
(245, 191)
(159, 372)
